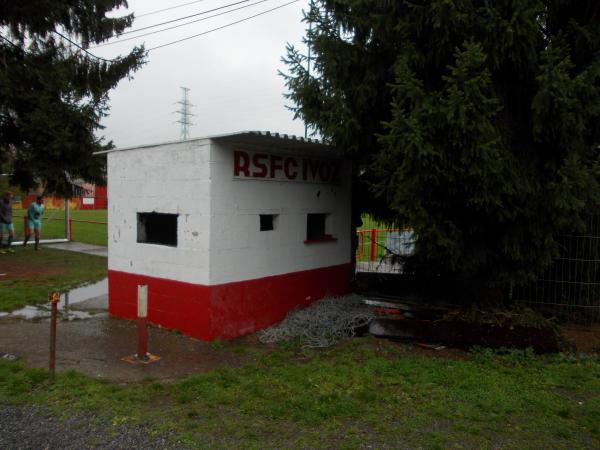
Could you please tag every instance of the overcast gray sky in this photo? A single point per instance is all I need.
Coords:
(231, 73)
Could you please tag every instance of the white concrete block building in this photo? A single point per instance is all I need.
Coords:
(228, 232)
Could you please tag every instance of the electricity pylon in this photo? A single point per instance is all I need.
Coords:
(185, 114)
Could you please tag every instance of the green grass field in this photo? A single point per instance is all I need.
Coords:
(53, 225)
(29, 275)
(364, 393)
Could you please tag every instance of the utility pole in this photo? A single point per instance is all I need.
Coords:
(185, 114)
(309, 36)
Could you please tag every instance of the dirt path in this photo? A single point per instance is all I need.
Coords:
(14, 270)
(96, 347)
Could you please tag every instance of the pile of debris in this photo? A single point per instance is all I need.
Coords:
(332, 319)
(323, 323)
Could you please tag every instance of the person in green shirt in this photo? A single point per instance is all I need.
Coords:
(34, 220)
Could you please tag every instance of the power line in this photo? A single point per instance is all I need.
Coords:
(83, 49)
(221, 27)
(185, 17)
(168, 9)
(12, 43)
(180, 25)
(64, 37)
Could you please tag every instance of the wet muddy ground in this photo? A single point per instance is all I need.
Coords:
(90, 341)
(97, 346)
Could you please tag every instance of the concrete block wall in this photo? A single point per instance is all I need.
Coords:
(172, 178)
(240, 251)
(219, 237)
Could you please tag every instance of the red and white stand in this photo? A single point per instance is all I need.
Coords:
(142, 356)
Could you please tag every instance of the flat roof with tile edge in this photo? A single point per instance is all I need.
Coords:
(262, 138)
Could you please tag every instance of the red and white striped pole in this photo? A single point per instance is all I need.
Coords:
(142, 326)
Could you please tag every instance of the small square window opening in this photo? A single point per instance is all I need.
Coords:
(267, 222)
(157, 228)
(315, 227)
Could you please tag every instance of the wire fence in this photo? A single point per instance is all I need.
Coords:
(381, 249)
(570, 288)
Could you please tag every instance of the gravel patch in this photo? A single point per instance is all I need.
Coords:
(28, 427)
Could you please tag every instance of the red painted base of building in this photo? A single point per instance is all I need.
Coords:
(224, 311)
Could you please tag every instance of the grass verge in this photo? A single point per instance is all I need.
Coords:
(29, 275)
(362, 392)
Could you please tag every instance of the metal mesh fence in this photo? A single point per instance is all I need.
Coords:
(570, 288)
(380, 249)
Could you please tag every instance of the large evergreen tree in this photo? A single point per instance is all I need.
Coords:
(476, 122)
(53, 94)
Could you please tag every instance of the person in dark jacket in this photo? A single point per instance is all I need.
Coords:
(6, 222)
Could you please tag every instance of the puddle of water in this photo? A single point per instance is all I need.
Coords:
(66, 300)
(30, 312)
(41, 313)
(84, 293)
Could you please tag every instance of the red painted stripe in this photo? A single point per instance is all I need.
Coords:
(227, 310)
(171, 304)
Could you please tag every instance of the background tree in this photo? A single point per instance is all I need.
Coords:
(53, 93)
(475, 122)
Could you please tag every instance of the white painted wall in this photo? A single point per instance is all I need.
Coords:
(219, 239)
(172, 178)
(240, 251)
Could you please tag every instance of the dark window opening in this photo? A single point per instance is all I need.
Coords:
(267, 222)
(315, 227)
(157, 228)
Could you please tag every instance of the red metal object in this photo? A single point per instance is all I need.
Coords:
(360, 250)
(389, 312)
(90, 221)
(228, 310)
(373, 253)
(142, 330)
(71, 220)
(50, 218)
(54, 298)
(142, 356)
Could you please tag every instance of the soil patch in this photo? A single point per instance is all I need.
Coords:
(586, 339)
(97, 347)
(14, 270)
(464, 335)
(455, 354)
